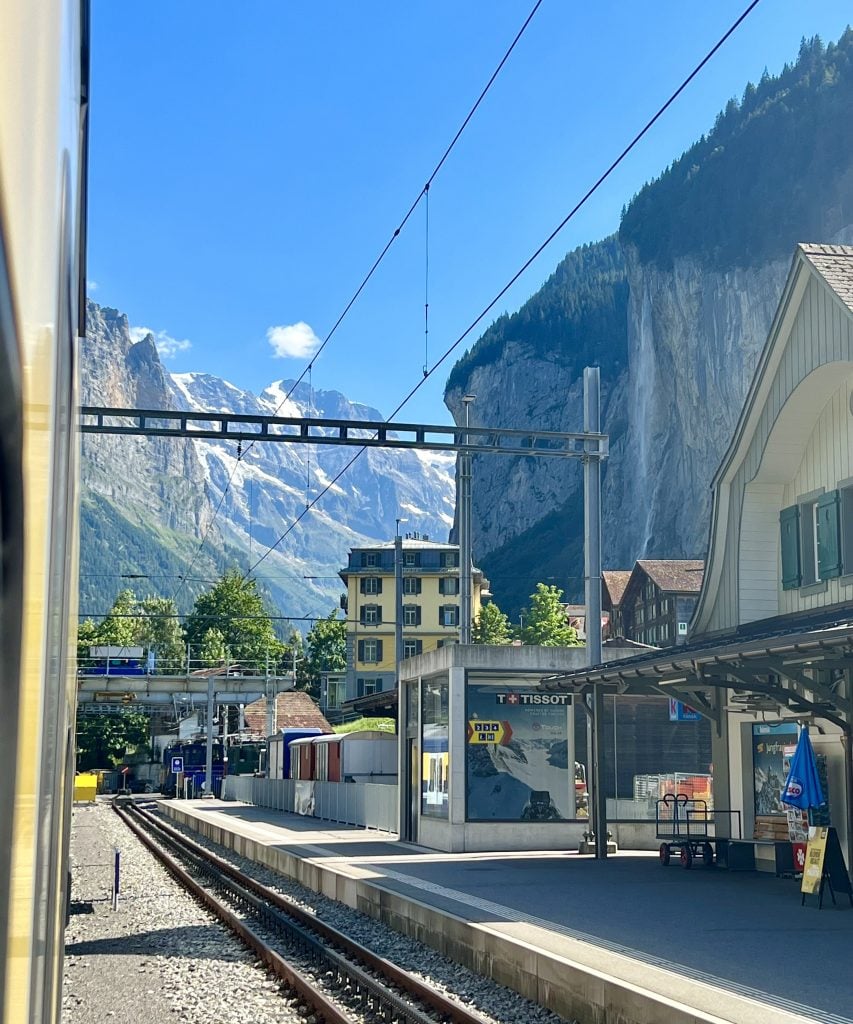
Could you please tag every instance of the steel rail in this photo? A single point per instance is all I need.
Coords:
(448, 1009)
(292, 978)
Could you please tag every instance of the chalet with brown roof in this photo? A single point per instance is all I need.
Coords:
(656, 602)
(293, 710)
(613, 583)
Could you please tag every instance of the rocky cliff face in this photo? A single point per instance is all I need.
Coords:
(163, 477)
(148, 501)
(676, 311)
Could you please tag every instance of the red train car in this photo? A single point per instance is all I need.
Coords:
(302, 758)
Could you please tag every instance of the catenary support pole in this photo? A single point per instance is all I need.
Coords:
(208, 761)
(465, 545)
(592, 577)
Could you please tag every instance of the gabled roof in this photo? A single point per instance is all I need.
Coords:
(294, 710)
(834, 263)
(674, 575)
(832, 266)
(615, 582)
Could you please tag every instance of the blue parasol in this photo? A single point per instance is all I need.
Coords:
(802, 787)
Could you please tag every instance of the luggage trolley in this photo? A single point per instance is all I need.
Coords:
(682, 823)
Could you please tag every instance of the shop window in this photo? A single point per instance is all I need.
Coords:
(435, 755)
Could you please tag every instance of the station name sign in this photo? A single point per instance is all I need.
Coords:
(511, 698)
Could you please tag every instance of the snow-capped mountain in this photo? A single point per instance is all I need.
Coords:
(170, 490)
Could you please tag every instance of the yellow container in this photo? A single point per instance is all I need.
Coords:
(85, 787)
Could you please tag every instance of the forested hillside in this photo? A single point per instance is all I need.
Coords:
(674, 309)
(777, 166)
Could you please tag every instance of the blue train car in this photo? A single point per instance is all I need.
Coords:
(194, 754)
(278, 757)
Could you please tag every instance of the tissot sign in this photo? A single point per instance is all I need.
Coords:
(526, 699)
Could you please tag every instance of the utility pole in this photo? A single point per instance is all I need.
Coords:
(592, 578)
(465, 552)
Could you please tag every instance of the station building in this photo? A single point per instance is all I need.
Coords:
(770, 647)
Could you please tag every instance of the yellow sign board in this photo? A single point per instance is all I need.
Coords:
(495, 733)
(815, 853)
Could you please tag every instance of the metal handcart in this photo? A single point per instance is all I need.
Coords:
(682, 823)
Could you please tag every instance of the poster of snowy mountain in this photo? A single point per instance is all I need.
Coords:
(516, 755)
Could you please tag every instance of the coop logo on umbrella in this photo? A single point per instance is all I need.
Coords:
(793, 789)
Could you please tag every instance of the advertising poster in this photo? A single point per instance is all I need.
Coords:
(517, 755)
(773, 746)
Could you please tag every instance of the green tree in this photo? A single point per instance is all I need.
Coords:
(160, 631)
(545, 620)
(87, 636)
(326, 651)
(234, 607)
(212, 651)
(122, 627)
(103, 740)
(491, 626)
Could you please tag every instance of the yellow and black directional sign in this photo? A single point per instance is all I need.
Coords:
(496, 733)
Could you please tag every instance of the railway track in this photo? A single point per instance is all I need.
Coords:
(339, 980)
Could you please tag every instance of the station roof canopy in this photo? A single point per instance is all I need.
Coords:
(775, 664)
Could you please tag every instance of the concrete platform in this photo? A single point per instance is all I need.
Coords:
(618, 942)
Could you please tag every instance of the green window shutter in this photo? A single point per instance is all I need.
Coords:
(379, 650)
(361, 650)
(378, 584)
(363, 614)
(361, 584)
(417, 584)
(419, 647)
(789, 525)
(829, 535)
(417, 615)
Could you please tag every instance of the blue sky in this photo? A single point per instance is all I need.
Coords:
(249, 162)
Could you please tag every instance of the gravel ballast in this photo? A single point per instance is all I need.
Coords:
(161, 956)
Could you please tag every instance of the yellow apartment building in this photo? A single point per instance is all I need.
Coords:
(430, 608)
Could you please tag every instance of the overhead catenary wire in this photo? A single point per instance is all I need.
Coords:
(374, 267)
(527, 263)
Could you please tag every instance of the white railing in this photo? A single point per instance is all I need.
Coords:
(371, 805)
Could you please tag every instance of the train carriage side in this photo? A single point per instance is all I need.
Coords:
(43, 131)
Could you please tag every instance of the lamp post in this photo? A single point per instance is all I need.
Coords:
(465, 553)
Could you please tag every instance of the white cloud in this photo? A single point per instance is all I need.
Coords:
(91, 286)
(295, 341)
(167, 346)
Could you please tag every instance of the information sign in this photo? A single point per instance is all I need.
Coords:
(680, 712)
(815, 853)
(177, 765)
(498, 733)
(824, 866)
